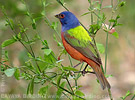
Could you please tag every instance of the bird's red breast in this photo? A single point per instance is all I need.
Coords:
(72, 52)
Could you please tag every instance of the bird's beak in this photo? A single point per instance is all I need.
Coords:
(57, 16)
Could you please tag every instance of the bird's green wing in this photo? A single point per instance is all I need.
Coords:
(79, 39)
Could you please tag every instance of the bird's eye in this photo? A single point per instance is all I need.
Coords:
(62, 15)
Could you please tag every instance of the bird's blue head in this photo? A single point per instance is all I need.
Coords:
(68, 20)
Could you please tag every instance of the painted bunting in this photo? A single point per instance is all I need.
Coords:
(79, 45)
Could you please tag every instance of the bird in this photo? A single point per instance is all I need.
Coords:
(79, 45)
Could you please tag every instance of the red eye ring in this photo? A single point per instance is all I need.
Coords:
(62, 15)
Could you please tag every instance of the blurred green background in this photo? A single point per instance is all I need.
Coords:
(121, 51)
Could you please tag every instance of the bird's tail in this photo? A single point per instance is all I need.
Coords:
(102, 79)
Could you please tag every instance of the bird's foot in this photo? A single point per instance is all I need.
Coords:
(84, 72)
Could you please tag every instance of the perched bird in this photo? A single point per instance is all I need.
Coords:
(79, 45)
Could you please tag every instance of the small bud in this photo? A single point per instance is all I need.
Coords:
(107, 28)
(58, 57)
(122, 4)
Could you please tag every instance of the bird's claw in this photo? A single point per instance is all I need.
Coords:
(83, 72)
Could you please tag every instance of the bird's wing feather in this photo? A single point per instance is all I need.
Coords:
(85, 48)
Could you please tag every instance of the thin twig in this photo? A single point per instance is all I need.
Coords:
(5, 64)
(110, 94)
(109, 91)
(69, 85)
(48, 79)
(67, 91)
(62, 4)
(85, 72)
(74, 74)
(133, 97)
(78, 75)
(67, 96)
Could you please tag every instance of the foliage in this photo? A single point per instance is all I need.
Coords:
(38, 68)
(128, 94)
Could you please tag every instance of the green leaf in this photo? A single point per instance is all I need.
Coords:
(108, 6)
(108, 76)
(35, 38)
(30, 88)
(58, 80)
(45, 44)
(115, 21)
(59, 91)
(2, 68)
(94, 2)
(26, 76)
(27, 13)
(17, 74)
(48, 4)
(10, 23)
(19, 36)
(48, 61)
(44, 2)
(100, 48)
(69, 68)
(10, 72)
(43, 91)
(33, 24)
(127, 94)
(6, 55)
(30, 56)
(117, 17)
(15, 37)
(78, 92)
(115, 34)
(50, 58)
(122, 4)
(103, 18)
(47, 51)
(62, 1)
(22, 29)
(54, 25)
(8, 42)
(133, 96)
(98, 6)
(112, 20)
(85, 13)
(58, 43)
(94, 28)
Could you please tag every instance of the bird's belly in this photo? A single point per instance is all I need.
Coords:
(72, 52)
